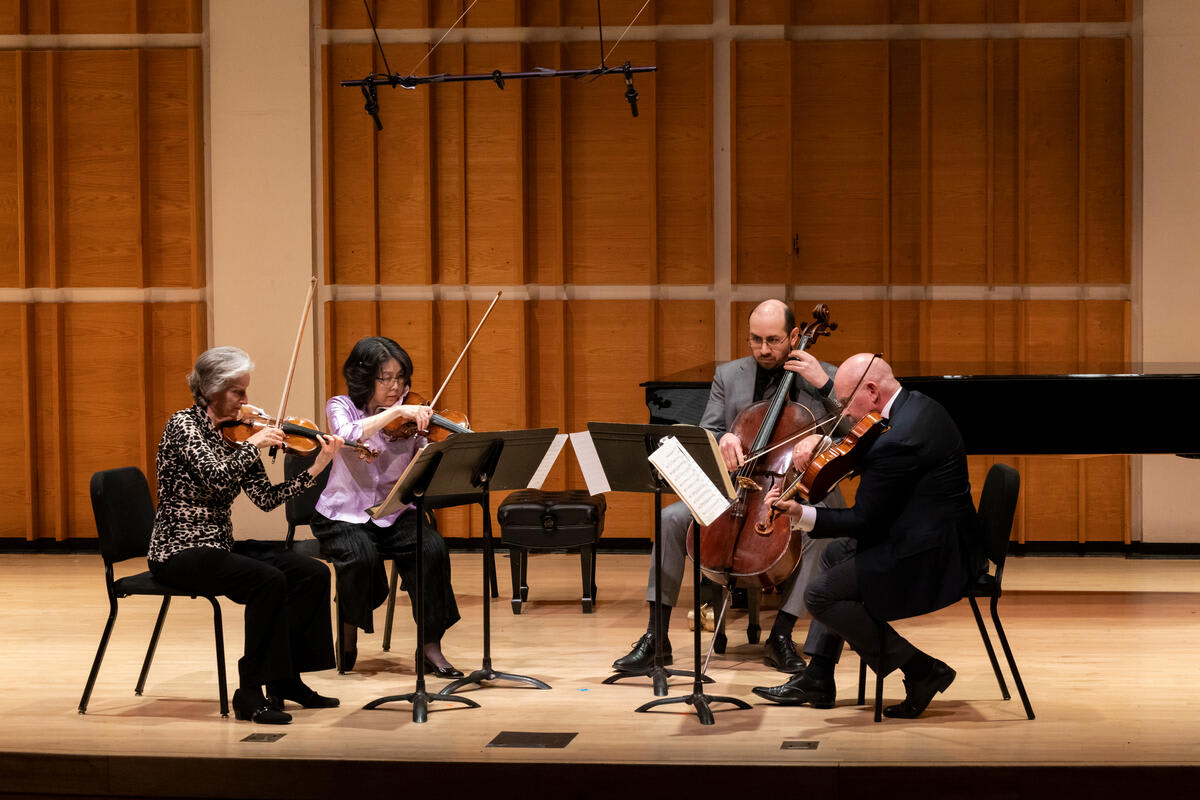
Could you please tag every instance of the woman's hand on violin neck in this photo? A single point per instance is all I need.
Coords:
(419, 414)
(331, 445)
(805, 364)
(266, 436)
(731, 450)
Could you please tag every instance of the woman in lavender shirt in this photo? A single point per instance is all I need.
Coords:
(378, 374)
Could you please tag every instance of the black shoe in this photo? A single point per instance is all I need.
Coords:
(641, 657)
(248, 705)
(447, 671)
(296, 691)
(918, 693)
(800, 690)
(780, 652)
(348, 659)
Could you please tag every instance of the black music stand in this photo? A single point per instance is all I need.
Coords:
(438, 465)
(623, 451)
(500, 460)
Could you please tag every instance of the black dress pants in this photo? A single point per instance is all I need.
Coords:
(358, 550)
(286, 596)
(838, 614)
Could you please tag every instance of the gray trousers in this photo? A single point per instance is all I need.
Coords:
(839, 615)
(675, 521)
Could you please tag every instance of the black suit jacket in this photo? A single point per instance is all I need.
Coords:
(913, 518)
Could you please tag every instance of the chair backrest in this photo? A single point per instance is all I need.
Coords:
(299, 509)
(997, 505)
(124, 513)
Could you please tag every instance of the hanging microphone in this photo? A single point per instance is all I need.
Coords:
(630, 93)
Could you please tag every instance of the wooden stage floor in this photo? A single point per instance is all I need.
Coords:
(1108, 649)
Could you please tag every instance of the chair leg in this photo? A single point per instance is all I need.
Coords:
(595, 550)
(219, 629)
(391, 609)
(991, 651)
(91, 681)
(514, 570)
(879, 677)
(1012, 663)
(862, 681)
(158, 626)
(587, 557)
(524, 575)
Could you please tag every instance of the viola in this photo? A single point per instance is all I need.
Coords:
(742, 547)
(441, 424)
(299, 434)
(829, 467)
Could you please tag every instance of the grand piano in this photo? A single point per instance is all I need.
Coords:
(1054, 413)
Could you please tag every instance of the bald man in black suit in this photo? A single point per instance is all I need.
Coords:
(903, 549)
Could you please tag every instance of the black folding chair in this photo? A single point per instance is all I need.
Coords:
(993, 528)
(124, 516)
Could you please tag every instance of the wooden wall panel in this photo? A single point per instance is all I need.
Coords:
(172, 168)
(12, 169)
(1004, 238)
(495, 167)
(41, 168)
(609, 176)
(958, 161)
(178, 333)
(403, 210)
(761, 161)
(15, 497)
(545, 210)
(840, 182)
(350, 217)
(100, 16)
(1049, 75)
(450, 157)
(942, 12)
(908, 196)
(1105, 92)
(683, 161)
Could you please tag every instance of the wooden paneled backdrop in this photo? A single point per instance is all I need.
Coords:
(880, 174)
(959, 199)
(101, 215)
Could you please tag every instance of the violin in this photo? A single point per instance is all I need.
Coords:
(299, 434)
(441, 424)
(830, 466)
(741, 547)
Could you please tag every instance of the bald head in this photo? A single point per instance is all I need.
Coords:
(773, 333)
(878, 384)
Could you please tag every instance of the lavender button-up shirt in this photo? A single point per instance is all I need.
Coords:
(354, 485)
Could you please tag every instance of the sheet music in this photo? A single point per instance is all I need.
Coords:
(589, 463)
(688, 481)
(539, 475)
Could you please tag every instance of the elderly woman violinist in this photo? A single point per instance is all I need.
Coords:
(286, 595)
(377, 374)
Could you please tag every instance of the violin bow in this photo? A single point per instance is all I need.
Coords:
(466, 347)
(287, 384)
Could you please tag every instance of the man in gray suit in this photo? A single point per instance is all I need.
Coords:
(735, 386)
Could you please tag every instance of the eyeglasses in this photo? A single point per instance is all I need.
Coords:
(390, 380)
(770, 341)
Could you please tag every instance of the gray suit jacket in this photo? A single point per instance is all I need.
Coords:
(733, 391)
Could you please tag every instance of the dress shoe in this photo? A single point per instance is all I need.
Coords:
(298, 692)
(641, 657)
(801, 689)
(250, 705)
(447, 671)
(780, 652)
(918, 693)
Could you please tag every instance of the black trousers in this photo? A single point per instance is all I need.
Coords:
(838, 614)
(286, 596)
(358, 551)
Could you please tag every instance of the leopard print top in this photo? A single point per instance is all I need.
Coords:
(199, 475)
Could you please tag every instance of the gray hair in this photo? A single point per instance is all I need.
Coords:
(215, 369)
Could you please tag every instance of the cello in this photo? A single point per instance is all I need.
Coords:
(743, 548)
